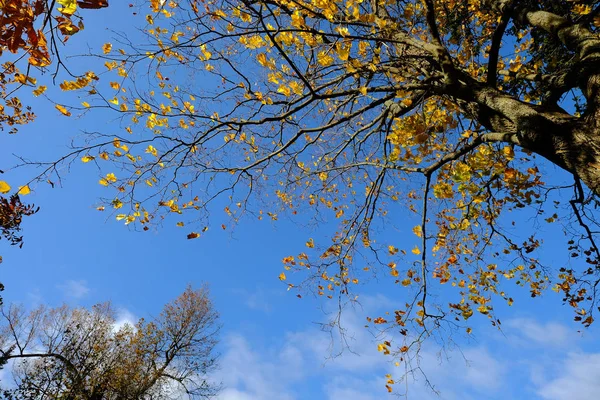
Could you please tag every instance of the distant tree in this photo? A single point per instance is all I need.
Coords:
(76, 353)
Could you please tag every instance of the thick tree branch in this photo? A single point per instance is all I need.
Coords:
(495, 49)
(440, 51)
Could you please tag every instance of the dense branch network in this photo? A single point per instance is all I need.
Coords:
(438, 113)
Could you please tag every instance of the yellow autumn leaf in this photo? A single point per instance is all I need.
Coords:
(582, 9)
(282, 276)
(343, 51)
(4, 187)
(39, 91)
(483, 309)
(114, 101)
(416, 250)
(417, 230)
(383, 348)
(296, 87)
(508, 153)
(87, 158)
(406, 102)
(63, 110)
(152, 150)
(24, 190)
(106, 48)
(206, 55)
(297, 20)
(324, 59)
(85, 104)
(111, 177)
(22, 79)
(68, 6)
(283, 89)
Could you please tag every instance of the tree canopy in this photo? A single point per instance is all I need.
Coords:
(449, 116)
(78, 353)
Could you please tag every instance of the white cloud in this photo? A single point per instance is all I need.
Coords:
(74, 289)
(124, 317)
(249, 373)
(311, 358)
(528, 331)
(578, 377)
(356, 389)
(352, 349)
(482, 371)
(459, 374)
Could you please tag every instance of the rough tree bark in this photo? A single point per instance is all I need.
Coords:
(569, 142)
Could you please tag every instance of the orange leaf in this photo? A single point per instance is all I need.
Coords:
(63, 110)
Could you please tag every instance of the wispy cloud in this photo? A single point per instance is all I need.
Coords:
(528, 331)
(577, 378)
(249, 373)
(74, 289)
(532, 359)
(258, 299)
(313, 359)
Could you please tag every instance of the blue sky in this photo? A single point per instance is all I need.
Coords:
(272, 346)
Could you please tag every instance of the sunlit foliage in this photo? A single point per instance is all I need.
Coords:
(433, 118)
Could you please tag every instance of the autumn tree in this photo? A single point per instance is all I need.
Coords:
(77, 353)
(450, 116)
